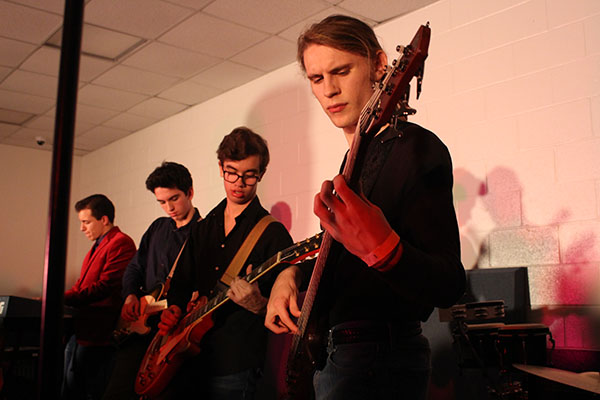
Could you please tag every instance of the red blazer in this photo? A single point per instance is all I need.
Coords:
(97, 293)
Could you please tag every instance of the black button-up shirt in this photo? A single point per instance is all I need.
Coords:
(158, 250)
(237, 342)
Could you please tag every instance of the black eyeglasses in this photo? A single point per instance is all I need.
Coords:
(232, 177)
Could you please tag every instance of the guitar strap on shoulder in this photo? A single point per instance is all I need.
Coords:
(235, 266)
(172, 271)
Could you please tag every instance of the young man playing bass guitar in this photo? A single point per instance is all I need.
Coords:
(161, 244)
(395, 250)
(232, 351)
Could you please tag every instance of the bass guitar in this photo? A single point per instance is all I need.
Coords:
(149, 305)
(166, 353)
(388, 103)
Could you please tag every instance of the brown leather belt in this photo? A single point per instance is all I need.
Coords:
(382, 332)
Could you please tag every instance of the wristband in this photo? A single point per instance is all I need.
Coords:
(383, 250)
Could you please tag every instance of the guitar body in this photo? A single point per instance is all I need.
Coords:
(310, 355)
(309, 349)
(149, 305)
(166, 354)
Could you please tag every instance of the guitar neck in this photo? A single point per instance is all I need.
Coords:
(293, 254)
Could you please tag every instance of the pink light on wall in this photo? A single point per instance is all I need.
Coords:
(282, 211)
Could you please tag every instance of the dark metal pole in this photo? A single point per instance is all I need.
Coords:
(50, 367)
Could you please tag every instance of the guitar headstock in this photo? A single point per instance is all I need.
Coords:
(392, 91)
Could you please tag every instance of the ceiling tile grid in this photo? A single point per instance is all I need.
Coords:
(145, 60)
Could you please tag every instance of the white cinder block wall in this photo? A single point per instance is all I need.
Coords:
(513, 89)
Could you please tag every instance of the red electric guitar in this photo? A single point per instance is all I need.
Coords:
(166, 353)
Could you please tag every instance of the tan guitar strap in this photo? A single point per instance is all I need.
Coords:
(235, 266)
(172, 271)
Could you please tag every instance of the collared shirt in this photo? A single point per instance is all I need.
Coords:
(238, 340)
(158, 250)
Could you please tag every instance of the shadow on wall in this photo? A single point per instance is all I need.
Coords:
(570, 280)
(493, 235)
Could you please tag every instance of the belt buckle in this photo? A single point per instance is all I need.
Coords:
(330, 344)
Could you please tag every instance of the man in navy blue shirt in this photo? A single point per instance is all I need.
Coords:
(160, 246)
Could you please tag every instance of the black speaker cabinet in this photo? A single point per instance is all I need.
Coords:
(508, 284)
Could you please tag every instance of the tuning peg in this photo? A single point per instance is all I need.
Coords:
(420, 74)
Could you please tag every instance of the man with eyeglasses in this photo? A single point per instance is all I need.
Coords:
(232, 352)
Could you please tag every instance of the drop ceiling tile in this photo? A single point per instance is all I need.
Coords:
(46, 60)
(4, 72)
(7, 129)
(42, 122)
(98, 137)
(25, 102)
(90, 114)
(82, 127)
(92, 67)
(14, 117)
(382, 10)
(190, 93)
(157, 108)
(129, 122)
(113, 99)
(219, 38)
(294, 31)
(55, 6)
(144, 18)
(46, 123)
(168, 60)
(27, 24)
(135, 80)
(227, 75)
(195, 4)
(31, 83)
(12, 52)
(270, 16)
(268, 55)
(101, 42)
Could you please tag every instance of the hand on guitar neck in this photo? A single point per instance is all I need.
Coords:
(241, 292)
(247, 294)
(350, 218)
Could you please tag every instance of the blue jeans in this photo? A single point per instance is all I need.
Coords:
(240, 386)
(86, 370)
(391, 369)
(190, 384)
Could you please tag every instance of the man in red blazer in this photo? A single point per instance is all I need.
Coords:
(96, 296)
